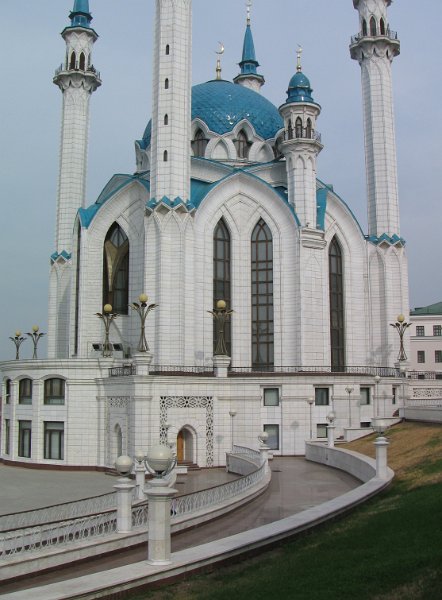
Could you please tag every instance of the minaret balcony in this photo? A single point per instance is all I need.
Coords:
(302, 134)
(91, 70)
(389, 34)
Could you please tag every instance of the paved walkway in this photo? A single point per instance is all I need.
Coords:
(296, 486)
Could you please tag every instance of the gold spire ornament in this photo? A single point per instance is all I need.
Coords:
(298, 55)
(219, 52)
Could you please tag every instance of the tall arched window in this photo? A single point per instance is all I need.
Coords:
(290, 130)
(382, 26)
(262, 297)
(199, 143)
(336, 286)
(364, 27)
(165, 156)
(116, 270)
(82, 62)
(166, 119)
(373, 28)
(298, 127)
(309, 130)
(221, 276)
(167, 49)
(166, 84)
(242, 145)
(72, 61)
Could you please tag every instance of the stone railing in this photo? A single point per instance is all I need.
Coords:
(58, 512)
(23, 540)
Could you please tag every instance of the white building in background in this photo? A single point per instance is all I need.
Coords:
(426, 338)
(225, 203)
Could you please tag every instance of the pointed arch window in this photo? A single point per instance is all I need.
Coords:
(166, 119)
(382, 26)
(373, 28)
(262, 297)
(165, 156)
(364, 27)
(199, 143)
(290, 130)
(72, 61)
(82, 62)
(336, 288)
(309, 129)
(298, 127)
(221, 276)
(116, 270)
(166, 84)
(167, 49)
(242, 145)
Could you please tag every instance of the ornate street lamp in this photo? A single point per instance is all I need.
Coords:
(221, 315)
(18, 340)
(401, 326)
(143, 310)
(107, 316)
(35, 337)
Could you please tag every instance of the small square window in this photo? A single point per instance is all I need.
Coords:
(271, 397)
(365, 424)
(322, 396)
(273, 440)
(420, 330)
(421, 356)
(438, 356)
(364, 394)
(321, 430)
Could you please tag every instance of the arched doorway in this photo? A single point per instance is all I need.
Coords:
(185, 446)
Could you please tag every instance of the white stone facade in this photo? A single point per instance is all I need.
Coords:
(164, 219)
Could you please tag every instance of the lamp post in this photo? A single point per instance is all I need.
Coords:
(142, 309)
(18, 340)
(159, 462)
(310, 402)
(35, 337)
(124, 488)
(107, 316)
(401, 326)
(331, 429)
(140, 474)
(403, 370)
(232, 414)
(376, 396)
(349, 391)
(221, 316)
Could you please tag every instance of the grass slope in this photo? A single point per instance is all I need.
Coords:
(391, 548)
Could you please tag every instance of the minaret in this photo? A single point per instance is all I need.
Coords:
(171, 112)
(374, 48)
(249, 77)
(301, 146)
(77, 79)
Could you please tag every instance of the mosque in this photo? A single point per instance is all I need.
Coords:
(224, 209)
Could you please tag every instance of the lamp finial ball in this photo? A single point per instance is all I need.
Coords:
(107, 308)
(143, 298)
(221, 304)
(18, 333)
(401, 318)
(35, 328)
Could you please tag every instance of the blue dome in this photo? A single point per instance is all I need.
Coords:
(300, 89)
(221, 105)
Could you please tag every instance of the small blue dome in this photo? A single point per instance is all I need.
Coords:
(300, 89)
(221, 105)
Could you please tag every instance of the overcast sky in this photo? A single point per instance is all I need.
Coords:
(30, 108)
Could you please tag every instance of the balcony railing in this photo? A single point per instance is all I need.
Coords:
(391, 35)
(91, 70)
(316, 370)
(124, 371)
(302, 133)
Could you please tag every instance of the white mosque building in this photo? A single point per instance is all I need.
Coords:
(224, 204)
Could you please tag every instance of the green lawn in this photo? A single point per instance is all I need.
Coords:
(391, 548)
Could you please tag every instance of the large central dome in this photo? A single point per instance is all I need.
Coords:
(221, 105)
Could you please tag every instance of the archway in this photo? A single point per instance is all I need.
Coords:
(185, 446)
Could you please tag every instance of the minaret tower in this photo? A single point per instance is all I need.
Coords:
(77, 79)
(171, 110)
(375, 48)
(249, 77)
(301, 146)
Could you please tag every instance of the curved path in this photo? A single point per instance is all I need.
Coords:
(296, 486)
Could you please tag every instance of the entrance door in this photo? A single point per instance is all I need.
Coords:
(180, 446)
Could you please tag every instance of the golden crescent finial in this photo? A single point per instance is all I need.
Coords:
(298, 55)
(221, 49)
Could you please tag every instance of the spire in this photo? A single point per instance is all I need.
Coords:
(80, 15)
(249, 77)
(219, 53)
